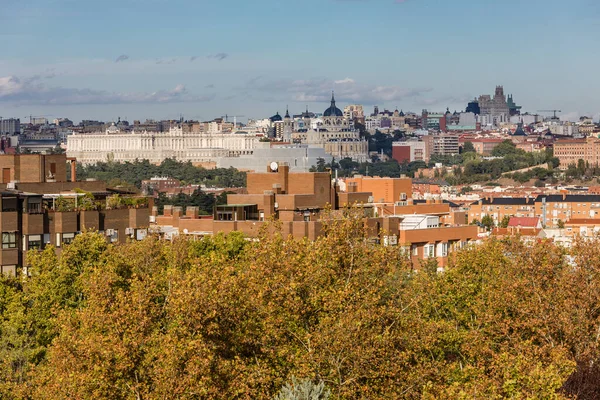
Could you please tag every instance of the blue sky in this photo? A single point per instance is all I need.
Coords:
(159, 58)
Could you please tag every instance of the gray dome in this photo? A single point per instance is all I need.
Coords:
(333, 111)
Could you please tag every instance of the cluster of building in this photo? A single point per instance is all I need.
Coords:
(424, 229)
(42, 204)
(301, 142)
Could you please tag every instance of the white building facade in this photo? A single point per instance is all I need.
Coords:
(117, 146)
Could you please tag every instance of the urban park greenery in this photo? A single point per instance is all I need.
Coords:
(133, 173)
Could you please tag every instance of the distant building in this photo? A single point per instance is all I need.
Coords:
(410, 151)
(496, 109)
(442, 144)
(299, 157)
(513, 108)
(570, 151)
(354, 112)
(473, 107)
(10, 126)
(198, 148)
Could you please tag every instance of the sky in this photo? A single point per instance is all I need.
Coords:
(138, 59)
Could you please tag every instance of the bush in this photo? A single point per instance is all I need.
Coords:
(303, 390)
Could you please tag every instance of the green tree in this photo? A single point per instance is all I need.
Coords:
(504, 222)
(505, 148)
(488, 222)
(468, 148)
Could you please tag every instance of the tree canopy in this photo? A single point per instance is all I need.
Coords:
(134, 173)
(223, 317)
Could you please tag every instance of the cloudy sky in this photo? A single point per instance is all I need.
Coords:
(142, 59)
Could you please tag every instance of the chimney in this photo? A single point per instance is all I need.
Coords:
(154, 211)
(191, 212)
(73, 170)
(177, 212)
(168, 211)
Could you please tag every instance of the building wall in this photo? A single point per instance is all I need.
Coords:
(499, 211)
(155, 147)
(571, 151)
(401, 153)
(33, 168)
(384, 190)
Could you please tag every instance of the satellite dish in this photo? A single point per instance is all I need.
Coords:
(274, 166)
(185, 231)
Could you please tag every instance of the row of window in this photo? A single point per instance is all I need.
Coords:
(33, 242)
(437, 250)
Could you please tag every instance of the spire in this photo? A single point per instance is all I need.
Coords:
(287, 112)
(332, 98)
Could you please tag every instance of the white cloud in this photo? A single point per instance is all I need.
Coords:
(319, 90)
(347, 80)
(32, 91)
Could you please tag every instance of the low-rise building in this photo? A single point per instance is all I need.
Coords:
(298, 201)
(40, 206)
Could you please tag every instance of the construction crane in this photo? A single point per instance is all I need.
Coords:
(551, 111)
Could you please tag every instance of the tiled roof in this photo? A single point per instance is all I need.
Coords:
(527, 222)
(583, 221)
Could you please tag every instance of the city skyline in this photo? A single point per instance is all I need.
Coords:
(158, 59)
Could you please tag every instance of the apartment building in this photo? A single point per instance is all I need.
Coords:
(410, 151)
(570, 151)
(551, 209)
(485, 146)
(442, 144)
(501, 207)
(40, 207)
(564, 207)
(297, 202)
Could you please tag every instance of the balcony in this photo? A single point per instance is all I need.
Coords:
(33, 224)
(63, 221)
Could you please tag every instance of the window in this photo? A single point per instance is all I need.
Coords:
(34, 205)
(444, 249)
(9, 204)
(429, 251)
(9, 270)
(9, 240)
(67, 238)
(415, 251)
(34, 242)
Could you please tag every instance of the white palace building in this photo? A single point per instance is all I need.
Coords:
(198, 148)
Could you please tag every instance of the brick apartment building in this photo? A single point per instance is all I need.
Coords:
(39, 207)
(549, 208)
(570, 151)
(297, 201)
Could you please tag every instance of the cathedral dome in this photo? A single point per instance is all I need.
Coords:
(333, 111)
(276, 118)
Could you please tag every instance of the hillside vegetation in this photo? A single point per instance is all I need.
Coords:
(224, 318)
